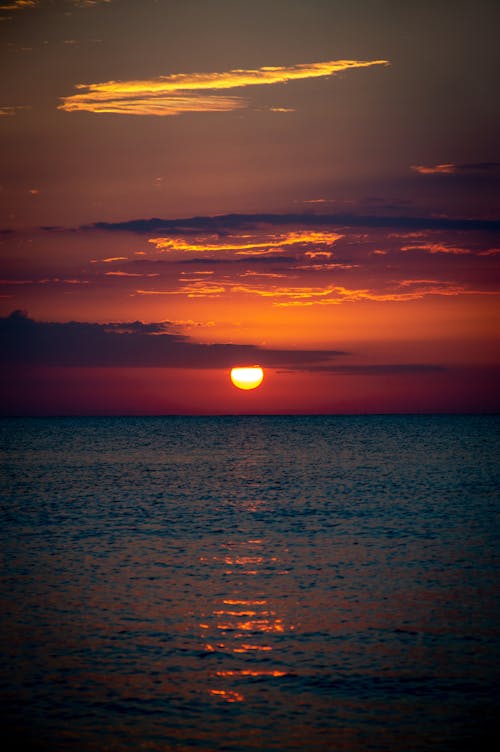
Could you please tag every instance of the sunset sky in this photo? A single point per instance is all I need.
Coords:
(190, 185)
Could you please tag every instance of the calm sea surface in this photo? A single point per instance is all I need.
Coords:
(232, 584)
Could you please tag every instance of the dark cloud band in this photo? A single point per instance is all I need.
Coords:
(232, 222)
(24, 341)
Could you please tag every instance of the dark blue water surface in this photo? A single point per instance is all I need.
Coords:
(234, 584)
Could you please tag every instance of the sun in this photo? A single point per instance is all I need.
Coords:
(247, 377)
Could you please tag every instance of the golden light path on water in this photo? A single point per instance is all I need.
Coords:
(241, 625)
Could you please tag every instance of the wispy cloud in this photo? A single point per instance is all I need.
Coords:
(331, 294)
(336, 295)
(154, 104)
(19, 4)
(25, 4)
(244, 243)
(446, 168)
(129, 274)
(11, 110)
(192, 289)
(108, 260)
(88, 3)
(451, 168)
(180, 92)
(44, 281)
(490, 252)
(437, 248)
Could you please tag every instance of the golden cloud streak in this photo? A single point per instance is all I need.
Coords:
(287, 296)
(128, 274)
(109, 260)
(274, 242)
(19, 5)
(160, 96)
(154, 105)
(334, 295)
(437, 248)
(197, 289)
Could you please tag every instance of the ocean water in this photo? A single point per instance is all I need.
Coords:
(232, 584)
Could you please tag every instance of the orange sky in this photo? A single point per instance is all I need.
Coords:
(324, 203)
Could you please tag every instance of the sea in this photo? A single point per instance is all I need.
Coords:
(243, 583)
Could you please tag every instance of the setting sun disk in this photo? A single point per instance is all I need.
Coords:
(247, 377)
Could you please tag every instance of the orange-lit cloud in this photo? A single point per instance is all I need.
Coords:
(490, 252)
(25, 4)
(199, 271)
(288, 295)
(154, 104)
(128, 274)
(322, 267)
(317, 201)
(179, 92)
(318, 254)
(450, 168)
(241, 244)
(11, 110)
(267, 275)
(437, 248)
(335, 294)
(19, 5)
(447, 168)
(195, 289)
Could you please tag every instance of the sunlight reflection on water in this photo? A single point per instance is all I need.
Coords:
(331, 588)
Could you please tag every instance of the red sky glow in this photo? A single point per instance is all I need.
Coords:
(190, 186)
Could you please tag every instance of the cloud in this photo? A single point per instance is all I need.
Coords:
(240, 222)
(273, 258)
(87, 3)
(180, 92)
(437, 248)
(244, 244)
(288, 297)
(11, 110)
(19, 4)
(25, 4)
(155, 105)
(129, 274)
(439, 169)
(376, 369)
(26, 342)
(44, 281)
(451, 168)
(193, 289)
(490, 252)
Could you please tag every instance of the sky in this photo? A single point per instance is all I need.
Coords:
(191, 185)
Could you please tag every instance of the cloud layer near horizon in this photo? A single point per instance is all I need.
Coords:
(134, 344)
(25, 342)
(179, 92)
